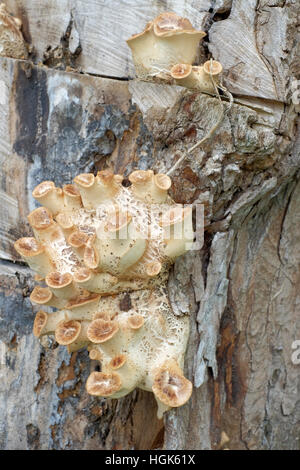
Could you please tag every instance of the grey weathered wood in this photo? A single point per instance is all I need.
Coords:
(241, 290)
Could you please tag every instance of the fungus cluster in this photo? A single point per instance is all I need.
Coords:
(95, 243)
(166, 50)
(12, 43)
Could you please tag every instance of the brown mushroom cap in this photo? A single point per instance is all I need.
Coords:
(140, 176)
(169, 24)
(28, 246)
(71, 190)
(162, 181)
(40, 218)
(101, 315)
(179, 71)
(42, 189)
(171, 387)
(78, 239)
(86, 180)
(58, 280)
(64, 220)
(136, 321)
(103, 385)
(41, 295)
(39, 323)
(118, 361)
(153, 268)
(106, 176)
(67, 331)
(214, 67)
(82, 275)
(95, 355)
(101, 330)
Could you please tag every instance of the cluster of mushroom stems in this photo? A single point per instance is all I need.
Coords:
(166, 51)
(88, 251)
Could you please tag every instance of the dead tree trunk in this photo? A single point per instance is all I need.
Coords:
(241, 290)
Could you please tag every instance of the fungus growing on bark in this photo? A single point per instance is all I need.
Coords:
(93, 242)
(167, 40)
(12, 43)
(197, 77)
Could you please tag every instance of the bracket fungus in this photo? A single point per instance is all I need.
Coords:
(95, 241)
(12, 43)
(167, 40)
(197, 77)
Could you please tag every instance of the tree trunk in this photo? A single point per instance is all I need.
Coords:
(73, 107)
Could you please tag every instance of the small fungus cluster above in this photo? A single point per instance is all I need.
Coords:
(166, 50)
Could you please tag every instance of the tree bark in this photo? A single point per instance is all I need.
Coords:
(74, 107)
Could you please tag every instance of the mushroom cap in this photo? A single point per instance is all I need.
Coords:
(41, 295)
(28, 246)
(101, 330)
(118, 361)
(136, 321)
(78, 239)
(86, 180)
(163, 181)
(106, 176)
(170, 386)
(180, 71)
(39, 323)
(40, 218)
(67, 331)
(95, 355)
(101, 315)
(58, 280)
(214, 67)
(64, 220)
(103, 385)
(42, 189)
(82, 275)
(71, 191)
(140, 176)
(169, 24)
(153, 268)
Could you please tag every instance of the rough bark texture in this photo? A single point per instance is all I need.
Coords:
(241, 290)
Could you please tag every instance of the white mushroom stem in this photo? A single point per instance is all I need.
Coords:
(35, 255)
(148, 187)
(120, 245)
(95, 190)
(49, 196)
(95, 282)
(178, 231)
(62, 285)
(200, 78)
(44, 227)
(72, 198)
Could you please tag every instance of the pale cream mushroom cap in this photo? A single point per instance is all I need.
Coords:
(103, 385)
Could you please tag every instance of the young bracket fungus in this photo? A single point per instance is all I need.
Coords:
(12, 43)
(197, 77)
(167, 40)
(94, 242)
